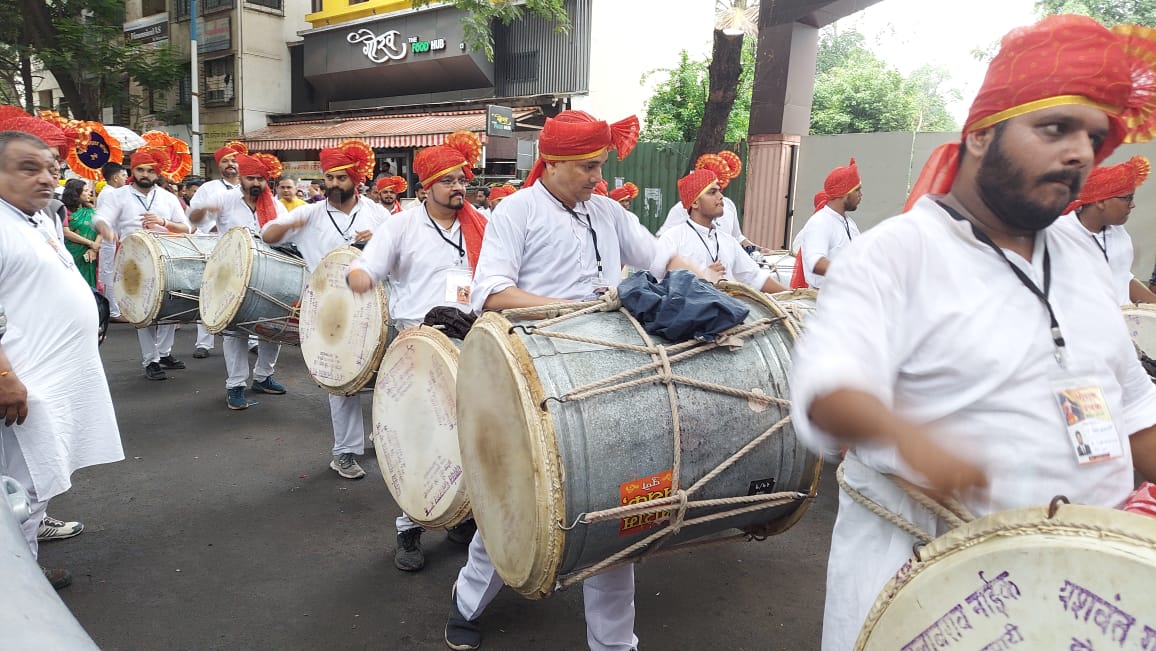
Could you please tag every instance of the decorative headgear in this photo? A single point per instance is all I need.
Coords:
(1114, 181)
(501, 192)
(603, 188)
(231, 148)
(841, 182)
(1061, 60)
(694, 185)
(98, 148)
(577, 135)
(394, 183)
(462, 149)
(733, 162)
(13, 118)
(628, 191)
(180, 158)
(267, 166)
(352, 156)
(149, 156)
(719, 165)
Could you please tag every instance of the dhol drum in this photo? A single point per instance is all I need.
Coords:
(1141, 321)
(415, 427)
(343, 334)
(1060, 577)
(781, 265)
(799, 304)
(567, 434)
(158, 277)
(250, 288)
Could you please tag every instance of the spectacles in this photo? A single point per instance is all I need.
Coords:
(447, 182)
(1128, 198)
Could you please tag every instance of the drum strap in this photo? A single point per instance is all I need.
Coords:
(950, 510)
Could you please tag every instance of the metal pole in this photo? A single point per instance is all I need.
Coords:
(195, 145)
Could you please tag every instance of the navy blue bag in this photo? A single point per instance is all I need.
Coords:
(683, 306)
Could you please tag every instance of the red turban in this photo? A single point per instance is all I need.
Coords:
(628, 191)
(394, 183)
(719, 165)
(1061, 60)
(841, 182)
(352, 156)
(733, 161)
(1114, 181)
(501, 192)
(577, 135)
(268, 167)
(231, 148)
(462, 150)
(694, 185)
(603, 188)
(150, 157)
(15, 119)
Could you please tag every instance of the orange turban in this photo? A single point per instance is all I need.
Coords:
(352, 156)
(150, 157)
(577, 135)
(394, 183)
(628, 191)
(603, 188)
(13, 118)
(268, 167)
(502, 191)
(1114, 181)
(462, 149)
(694, 185)
(841, 182)
(231, 148)
(733, 161)
(719, 165)
(1061, 60)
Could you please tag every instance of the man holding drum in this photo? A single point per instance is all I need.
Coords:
(141, 205)
(947, 337)
(343, 219)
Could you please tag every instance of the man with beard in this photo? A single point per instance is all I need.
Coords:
(830, 229)
(249, 206)
(388, 189)
(287, 194)
(480, 197)
(1100, 214)
(343, 219)
(944, 336)
(144, 206)
(427, 254)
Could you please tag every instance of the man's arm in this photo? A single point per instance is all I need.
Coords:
(1144, 452)
(821, 266)
(512, 297)
(1138, 293)
(13, 394)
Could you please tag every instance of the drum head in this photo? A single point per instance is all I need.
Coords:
(139, 279)
(1081, 579)
(226, 278)
(510, 457)
(1141, 322)
(415, 428)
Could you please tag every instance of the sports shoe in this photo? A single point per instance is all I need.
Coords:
(200, 353)
(346, 465)
(268, 385)
(463, 533)
(153, 372)
(408, 556)
(53, 529)
(235, 398)
(58, 578)
(461, 633)
(168, 361)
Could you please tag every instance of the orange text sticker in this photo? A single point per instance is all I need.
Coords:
(638, 491)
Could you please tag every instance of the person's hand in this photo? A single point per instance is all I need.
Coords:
(152, 221)
(363, 236)
(948, 473)
(13, 399)
(359, 281)
(713, 272)
(765, 251)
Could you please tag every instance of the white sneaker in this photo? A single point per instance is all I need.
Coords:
(53, 529)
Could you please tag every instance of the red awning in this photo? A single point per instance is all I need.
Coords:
(395, 131)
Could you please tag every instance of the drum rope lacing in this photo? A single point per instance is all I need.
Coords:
(288, 319)
(947, 509)
(679, 501)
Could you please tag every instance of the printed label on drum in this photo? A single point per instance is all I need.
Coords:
(640, 491)
(762, 487)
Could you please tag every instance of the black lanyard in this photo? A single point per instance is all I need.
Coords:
(460, 249)
(344, 232)
(717, 246)
(588, 225)
(152, 195)
(1042, 294)
(1103, 247)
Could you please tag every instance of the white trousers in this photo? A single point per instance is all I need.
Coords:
(236, 351)
(105, 271)
(608, 598)
(155, 342)
(403, 523)
(205, 339)
(348, 424)
(13, 464)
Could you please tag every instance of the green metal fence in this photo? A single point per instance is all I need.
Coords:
(655, 168)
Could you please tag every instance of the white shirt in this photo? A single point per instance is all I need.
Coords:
(533, 243)
(727, 223)
(921, 315)
(52, 344)
(824, 235)
(123, 207)
(1116, 248)
(702, 246)
(232, 211)
(324, 228)
(408, 251)
(205, 196)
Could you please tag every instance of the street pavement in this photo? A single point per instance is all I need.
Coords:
(226, 530)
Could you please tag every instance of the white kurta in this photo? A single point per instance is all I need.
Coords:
(824, 235)
(232, 211)
(1115, 246)
(702, 246)
(533, 243)
(727, 223)
(323, 228)
(934, 324)
(206, 195)
(407, 251)
(52, 344)
(122, 209)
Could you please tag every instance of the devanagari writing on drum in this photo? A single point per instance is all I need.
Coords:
(1087, 605)
(989, 599)
(1011, 637)
(942, 633)
(1148, 642)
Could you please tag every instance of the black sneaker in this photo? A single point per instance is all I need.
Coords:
(200, 353)
(461, 633)
(153, 372)
(463, 533)
(408, 557)
(61, 578)
(168, 361)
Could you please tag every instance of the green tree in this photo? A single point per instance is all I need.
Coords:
(481, 14)
(1108, 12)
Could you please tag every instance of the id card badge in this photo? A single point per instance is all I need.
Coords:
(458, 282)
(1089, 427)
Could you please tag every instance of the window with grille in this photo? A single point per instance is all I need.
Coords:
(150, 7)
(523, 66)
(217, 4)
(180, 9)
(218, 90)
(272, 4)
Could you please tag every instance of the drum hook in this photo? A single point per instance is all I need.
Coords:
(917, 550)
(1055, 505)
(581, 519)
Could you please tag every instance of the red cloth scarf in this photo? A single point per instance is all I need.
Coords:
(473, 225)
(254, 166)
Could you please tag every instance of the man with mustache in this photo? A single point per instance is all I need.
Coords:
(389, 188)
(945, 336)
(287, 194)
(830, 229)
(343, 219)
(729, 221)
(141, 205)
(249, 206)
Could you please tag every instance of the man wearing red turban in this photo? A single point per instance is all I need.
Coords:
(343, 219)
(727, 166)
(945, 335)
(830, 228)
(624, 195)
(1100, 213)
(500, 192)
(389, 188)
(427, 255)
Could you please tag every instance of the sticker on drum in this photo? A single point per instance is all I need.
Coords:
(343, 334)
(1141, 322)
(158, 277)
(1080, 579)
(415, 427)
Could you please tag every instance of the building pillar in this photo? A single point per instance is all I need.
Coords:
(770, 171)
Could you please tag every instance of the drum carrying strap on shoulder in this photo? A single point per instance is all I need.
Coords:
(950, 510)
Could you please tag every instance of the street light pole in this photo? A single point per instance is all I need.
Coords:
(195, 90)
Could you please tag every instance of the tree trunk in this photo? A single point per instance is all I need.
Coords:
(725, 68)
(40, 34)
(26, 81)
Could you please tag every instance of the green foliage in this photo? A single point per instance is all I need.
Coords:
(674, 112)
(481, 14)
(1108, 12)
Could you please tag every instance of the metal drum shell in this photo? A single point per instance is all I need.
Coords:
(173, 285)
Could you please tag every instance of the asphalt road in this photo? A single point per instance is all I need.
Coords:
(227, 530)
